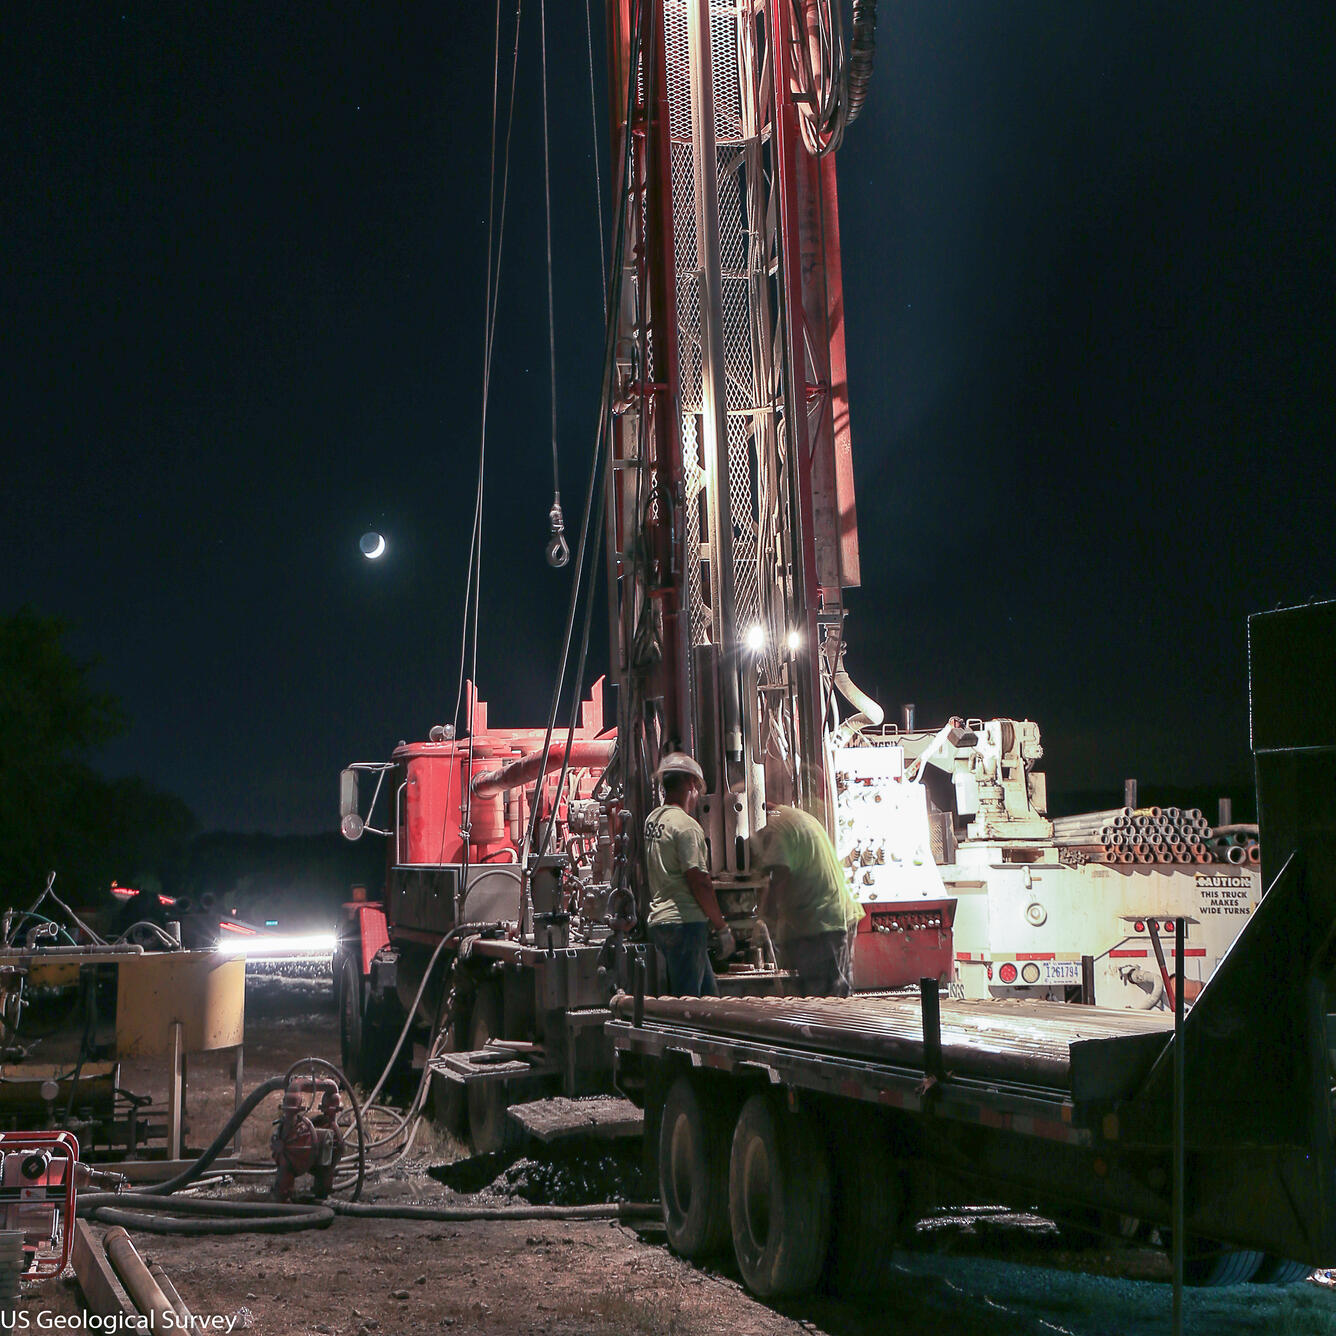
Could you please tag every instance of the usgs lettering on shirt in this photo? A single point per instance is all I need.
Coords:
(1224, 893)
(654, 830)
(42, 1320)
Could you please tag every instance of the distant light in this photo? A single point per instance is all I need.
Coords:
(755, 637)
(271, 923)
(793, 640)
(263, 947)
(372, 545)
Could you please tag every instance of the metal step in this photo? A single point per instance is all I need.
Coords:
(583, 1017)
(606, 1117)
(491, 1064)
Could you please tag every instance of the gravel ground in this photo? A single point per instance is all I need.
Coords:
(971, 1273)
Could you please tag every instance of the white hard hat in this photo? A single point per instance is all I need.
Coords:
(679, 763)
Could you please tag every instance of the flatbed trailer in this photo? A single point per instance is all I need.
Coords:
(813, 1133)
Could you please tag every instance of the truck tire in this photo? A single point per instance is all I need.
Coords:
(1206, 1265)
(868, 1209)
(491, 1128)
(350, 1019)
(778, 1199)
(368, 1029)
(1281, 1271)
(693, 1171)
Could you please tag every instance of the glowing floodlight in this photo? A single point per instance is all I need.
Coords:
(261, 946)
(372, 545)
(755, 638)
(793, 640)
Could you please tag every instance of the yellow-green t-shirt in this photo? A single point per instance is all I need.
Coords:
(674, 842)
(817, 898)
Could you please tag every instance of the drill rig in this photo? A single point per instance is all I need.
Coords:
(723, 484)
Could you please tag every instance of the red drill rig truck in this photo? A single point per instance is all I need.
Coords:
(508, 941)
(724, 481)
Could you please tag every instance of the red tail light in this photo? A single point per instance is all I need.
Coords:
(1007, 973)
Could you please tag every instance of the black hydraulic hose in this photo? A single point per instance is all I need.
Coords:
(861, 56)
(617, 1210)
(162, 1215)
(158, 1214)
(244, 1111)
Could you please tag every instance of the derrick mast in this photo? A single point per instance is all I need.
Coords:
(731, 512)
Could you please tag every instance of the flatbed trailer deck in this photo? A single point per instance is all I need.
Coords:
(807, 1127)
(1013, 1067)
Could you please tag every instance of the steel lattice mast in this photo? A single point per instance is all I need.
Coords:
(731, 511)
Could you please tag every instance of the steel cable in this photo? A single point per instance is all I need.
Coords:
(601, 434)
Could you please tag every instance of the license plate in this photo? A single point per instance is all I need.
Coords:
(1061, 971)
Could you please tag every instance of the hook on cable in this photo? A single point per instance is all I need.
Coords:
(557, 551)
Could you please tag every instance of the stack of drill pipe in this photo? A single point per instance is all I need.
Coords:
(1137, 834)
(1237, 845)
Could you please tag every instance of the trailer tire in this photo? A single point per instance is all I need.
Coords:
(1281, 1271)
(693, 1171)
(778, 1199)
(867, 1211)
(1207, 1266)
(491, 1129)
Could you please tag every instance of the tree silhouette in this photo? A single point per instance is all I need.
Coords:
(56, 811)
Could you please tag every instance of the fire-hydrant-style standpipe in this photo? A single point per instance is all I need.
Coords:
(307, 1138)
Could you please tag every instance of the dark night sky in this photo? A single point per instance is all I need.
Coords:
(1089, 266)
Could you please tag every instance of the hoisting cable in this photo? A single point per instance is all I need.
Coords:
(625, 188)
(496, 229)
(578, 677)
(558, 552)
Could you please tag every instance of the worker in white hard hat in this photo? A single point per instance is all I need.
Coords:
(682, 905)
(808, 907)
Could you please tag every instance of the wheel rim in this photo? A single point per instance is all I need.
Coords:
(756, 1187)
(681, 1150)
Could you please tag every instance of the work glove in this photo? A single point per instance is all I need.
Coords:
(723, 943)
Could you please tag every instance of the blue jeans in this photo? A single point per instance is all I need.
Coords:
(823, 961)
(686, 949)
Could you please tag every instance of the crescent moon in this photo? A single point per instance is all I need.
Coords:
(378, 550)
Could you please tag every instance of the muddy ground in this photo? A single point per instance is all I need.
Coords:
(970, 1273)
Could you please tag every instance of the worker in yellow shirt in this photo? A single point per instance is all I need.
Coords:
(808, 907)
(682, 906)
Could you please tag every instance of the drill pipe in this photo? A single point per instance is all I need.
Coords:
(139, 1284)
(1096, 818)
